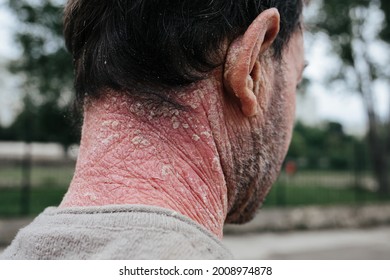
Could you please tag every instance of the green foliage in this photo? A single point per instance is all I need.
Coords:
(44, 59)
(47, 123)
(46, 68)
(336, 22)
(349, 26)
(326, 147)
(385, 34)
(345, 22)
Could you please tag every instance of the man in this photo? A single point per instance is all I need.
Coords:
(188, 112)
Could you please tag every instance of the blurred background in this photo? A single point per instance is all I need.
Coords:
(332, 199)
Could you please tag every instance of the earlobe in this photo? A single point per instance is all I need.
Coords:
(242, 66)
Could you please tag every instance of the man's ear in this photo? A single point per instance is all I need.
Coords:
(242, 66)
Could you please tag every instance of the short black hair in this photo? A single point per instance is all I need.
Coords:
(146, 45)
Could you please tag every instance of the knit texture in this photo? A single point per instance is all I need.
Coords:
(114, 232)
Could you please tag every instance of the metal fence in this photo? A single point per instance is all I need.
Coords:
(324, 187)
(36, 174)
(27, 186)
(35, 184)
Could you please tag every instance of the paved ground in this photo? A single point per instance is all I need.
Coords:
(354, 244)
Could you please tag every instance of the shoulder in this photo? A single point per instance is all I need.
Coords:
(115, 232)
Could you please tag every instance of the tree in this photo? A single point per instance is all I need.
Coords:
(327, 143)
(46, 68)
(44, 123)
(353, 27)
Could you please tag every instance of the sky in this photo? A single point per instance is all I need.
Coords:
(334, 102)
(9, 93)
(320, 103)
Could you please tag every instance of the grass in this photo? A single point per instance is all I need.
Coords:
(40, 198)
(41, 176)
(49, 184)
(282, 195)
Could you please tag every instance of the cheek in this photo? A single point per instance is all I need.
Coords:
(291, 113)
(291, 99)
(289, 109)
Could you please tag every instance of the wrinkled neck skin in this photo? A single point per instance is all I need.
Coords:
(130, 154)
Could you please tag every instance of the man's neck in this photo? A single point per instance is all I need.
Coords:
(133, 155)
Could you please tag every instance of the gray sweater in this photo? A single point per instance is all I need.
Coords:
(114, 232)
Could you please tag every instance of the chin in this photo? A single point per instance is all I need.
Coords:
(246, 207)
(244, 216)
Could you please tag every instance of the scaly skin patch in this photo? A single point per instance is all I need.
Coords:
(165, 158)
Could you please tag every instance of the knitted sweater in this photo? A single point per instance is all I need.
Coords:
(114, 232)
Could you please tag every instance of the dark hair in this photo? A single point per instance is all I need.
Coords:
(152, 44)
